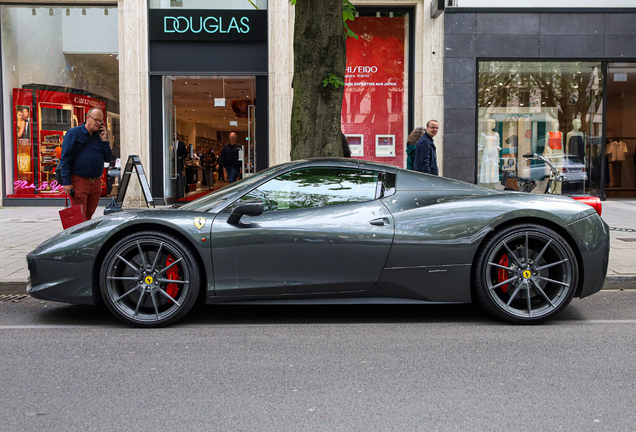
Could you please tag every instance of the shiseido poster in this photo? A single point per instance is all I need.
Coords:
(374, 101)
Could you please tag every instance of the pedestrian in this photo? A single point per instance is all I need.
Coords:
(425, 159)
(411, 141)
(84, 150)
(230, 159)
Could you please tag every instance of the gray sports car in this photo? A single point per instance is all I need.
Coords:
(332, 231)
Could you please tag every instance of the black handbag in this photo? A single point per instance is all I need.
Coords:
(113, 207)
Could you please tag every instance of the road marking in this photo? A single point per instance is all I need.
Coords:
(38, 327)
(190, 326)
(607, 322)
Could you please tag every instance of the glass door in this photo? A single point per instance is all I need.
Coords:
(169, 138)
(620, 144)
(200, 113)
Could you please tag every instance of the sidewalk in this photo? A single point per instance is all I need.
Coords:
(24, 228)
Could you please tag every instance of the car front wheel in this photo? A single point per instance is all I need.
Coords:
(525, 273)
(149, 279)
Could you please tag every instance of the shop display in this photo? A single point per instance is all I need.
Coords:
(385, 145)
(489, 146)
(576, 140)
(616, 152)
(356, 144)
(549, 108)
(41, 120)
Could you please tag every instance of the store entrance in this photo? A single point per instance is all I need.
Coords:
(200, 113)
(620, 175)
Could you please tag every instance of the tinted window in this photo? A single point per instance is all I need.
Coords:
(316, 187)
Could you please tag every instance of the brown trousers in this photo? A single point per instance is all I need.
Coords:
(86, 193)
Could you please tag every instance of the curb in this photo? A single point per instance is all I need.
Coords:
(12, 288)
(611, 283)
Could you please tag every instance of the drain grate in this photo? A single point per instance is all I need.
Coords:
(13, 298)
(627, 239)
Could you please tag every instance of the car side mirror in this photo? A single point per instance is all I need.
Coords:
(252, 207)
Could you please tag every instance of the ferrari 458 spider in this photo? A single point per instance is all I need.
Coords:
(332, 231)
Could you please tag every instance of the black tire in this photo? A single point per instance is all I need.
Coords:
(525, 274)
(136, 275)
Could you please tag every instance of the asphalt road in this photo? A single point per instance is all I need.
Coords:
(372, 368)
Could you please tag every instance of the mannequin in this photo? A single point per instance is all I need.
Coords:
(576, 141)
(616, 152)
(490, 144)
(554, 151)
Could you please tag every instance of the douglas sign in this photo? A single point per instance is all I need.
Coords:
(208, 25)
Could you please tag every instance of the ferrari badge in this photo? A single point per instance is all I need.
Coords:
(199, 223)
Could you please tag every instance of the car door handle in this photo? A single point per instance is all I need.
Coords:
(380, 222)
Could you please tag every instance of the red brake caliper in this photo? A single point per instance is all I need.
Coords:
(173, 274)
(502, 273)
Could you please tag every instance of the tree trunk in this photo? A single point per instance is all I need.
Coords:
(320, 49)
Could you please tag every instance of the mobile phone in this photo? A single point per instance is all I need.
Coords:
(72, 193)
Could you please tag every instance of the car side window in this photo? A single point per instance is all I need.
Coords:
(316, 187)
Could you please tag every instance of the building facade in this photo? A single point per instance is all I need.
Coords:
(176, 77)
(560, 82)
(191, 72)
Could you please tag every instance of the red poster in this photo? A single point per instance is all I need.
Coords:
(23, 138)
(373, 108)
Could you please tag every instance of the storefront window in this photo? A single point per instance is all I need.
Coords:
(375, 104)
(621, 130)
(57, 63)
(553, 109)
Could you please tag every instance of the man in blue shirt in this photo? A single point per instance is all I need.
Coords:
(425, 152)
(84, 150)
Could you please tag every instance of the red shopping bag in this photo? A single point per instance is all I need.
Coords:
(72, 215)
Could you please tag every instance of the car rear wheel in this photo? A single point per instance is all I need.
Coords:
(525, 274)
(149, 279)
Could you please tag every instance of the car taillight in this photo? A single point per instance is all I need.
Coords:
(592, 201)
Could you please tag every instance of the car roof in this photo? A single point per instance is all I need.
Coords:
(347, 163)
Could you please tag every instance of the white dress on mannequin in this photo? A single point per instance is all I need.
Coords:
(489, 167)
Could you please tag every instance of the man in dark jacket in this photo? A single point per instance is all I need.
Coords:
(229, 158)
(425, 151)
(84, 151)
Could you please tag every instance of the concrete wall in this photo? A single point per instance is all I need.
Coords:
(471, 35)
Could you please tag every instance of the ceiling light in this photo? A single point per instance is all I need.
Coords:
(83, 11)
(51, 11)
(68, 12)
(33, 12)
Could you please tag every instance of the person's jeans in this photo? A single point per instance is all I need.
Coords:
(232, 174)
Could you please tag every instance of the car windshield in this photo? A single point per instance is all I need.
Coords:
(217, 198)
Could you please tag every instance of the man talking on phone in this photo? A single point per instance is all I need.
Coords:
(84, 150)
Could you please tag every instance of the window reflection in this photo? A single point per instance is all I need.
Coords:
(316, 187)
(549, 108)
